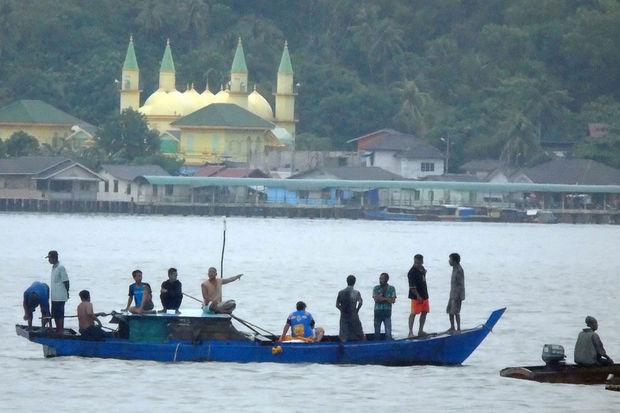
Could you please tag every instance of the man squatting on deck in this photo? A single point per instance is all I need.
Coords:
(212, 293)
(302, 326)
(171, 292)
(589, 350)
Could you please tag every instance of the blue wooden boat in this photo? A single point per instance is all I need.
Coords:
(389, 214)
(191, 337)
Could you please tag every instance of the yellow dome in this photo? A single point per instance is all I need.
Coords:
(145, 110)
(177, 104)
(207, 97)
(156, 95)
(192, 101)
(221, 97)
(258, 105)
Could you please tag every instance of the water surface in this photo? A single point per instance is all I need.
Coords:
(549, 276)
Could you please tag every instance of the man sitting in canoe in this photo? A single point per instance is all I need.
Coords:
(589, 350)
(302, 327)
(212, 293)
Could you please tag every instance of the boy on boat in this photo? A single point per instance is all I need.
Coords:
(171, 292)
(90, 326)
(59, 291)
(457, 291)
(384, 296)
(212, 293)
(302, 326)
(349, 302)
(137, 294)
(37, 295)
(418, 293)
(589, 350)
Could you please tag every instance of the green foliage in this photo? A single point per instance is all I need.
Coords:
(310, 142)
(477, 65)
(21, 144)
(169, 163)
(126, 137)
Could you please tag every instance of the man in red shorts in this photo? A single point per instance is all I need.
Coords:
(418, 293)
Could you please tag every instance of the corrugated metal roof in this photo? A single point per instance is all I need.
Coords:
(36, 111)
(573, 171)
(223, 115)
(339, 183)
(130, 172)
(30, 165)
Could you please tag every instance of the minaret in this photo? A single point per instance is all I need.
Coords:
(130, 80)
(285, 94)
(239, 78)
(167, 77)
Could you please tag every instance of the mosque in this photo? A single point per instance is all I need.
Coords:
(235, 124)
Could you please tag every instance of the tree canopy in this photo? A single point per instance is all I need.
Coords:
(497, 77)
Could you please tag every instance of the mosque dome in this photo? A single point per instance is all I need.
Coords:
(221, 97)
(207, 97)
(258, 105)
(177, 103)
(192, 101)
(155, 96)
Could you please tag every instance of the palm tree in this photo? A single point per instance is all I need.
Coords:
(412, 115)
(522, 140)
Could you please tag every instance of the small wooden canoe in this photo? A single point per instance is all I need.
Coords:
(564, 373)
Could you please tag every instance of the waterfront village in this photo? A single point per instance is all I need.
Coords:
(239, 158)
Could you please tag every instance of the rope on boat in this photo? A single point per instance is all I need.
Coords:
(176, 351)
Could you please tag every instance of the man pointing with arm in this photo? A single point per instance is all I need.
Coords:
(212, 293)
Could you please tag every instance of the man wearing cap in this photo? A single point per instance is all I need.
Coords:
(37, 295)
(59, 290)
(589, 350)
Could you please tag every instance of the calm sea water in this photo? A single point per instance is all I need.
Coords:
(549, 276)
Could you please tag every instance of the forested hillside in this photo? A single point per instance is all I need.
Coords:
(497, 77)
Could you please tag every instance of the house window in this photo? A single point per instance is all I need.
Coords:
(428, 166)
(169, 190)
(128, 191)
(154, 190)
(106, 186)
(416, 195)
(84, 186)
(115, 185)
(61, 186)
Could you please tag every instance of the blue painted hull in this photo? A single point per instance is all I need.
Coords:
(442, 349)
(388, 216)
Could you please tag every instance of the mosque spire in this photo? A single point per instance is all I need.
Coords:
(167, 64)
(167, 76)
(131, 63)
(238, 64)
(285, 62)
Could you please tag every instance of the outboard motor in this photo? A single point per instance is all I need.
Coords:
(553, 354)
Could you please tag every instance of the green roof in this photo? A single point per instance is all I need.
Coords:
(167, 64)
(224, 115)
(238, 64)
(36, 111)
(130, 58)
(285, 62)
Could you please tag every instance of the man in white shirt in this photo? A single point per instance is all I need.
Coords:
(59, 290)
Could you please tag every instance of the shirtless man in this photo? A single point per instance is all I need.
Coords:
(212, 293)
(90, 326)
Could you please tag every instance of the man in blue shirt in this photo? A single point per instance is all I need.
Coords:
(302, 327)
(136, 290)
(37, 295)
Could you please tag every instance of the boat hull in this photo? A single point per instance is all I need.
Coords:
(442, 349)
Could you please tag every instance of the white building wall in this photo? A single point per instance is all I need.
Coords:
(111, 194)
(412, 168)
(385, 160)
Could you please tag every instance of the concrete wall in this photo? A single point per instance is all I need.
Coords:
(405, 167)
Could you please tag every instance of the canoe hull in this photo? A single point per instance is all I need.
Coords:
(569, 374)
(441, 349)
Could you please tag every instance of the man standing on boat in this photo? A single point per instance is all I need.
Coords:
(171, 292)
(589, 350)
(212, 293)
(349, 302)
(59, 290)
(384, 296)
(457, 291)
(37, 295)
(418, 293)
